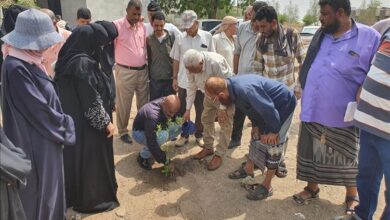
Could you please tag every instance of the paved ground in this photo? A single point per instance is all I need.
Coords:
(200, 194)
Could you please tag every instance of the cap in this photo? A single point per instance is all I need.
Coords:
(188, 18)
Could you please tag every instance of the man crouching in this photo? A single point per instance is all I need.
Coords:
(148, 127)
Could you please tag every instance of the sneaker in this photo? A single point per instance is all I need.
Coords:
(200, 142)
(144, 163)
(181, 142)
(234, 144)
(126, 139)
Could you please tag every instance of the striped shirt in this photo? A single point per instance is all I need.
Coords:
(281, 68)
(373, 111)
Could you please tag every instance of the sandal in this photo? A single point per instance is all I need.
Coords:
(239, 173)
(298, 198)
(259, 193)
(281, 172)
(350, 199)
(250, 187)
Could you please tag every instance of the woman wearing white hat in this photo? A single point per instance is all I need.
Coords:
(32, 115)
(224, 40)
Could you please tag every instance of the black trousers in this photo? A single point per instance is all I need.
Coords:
(198, 109)
(238, 125)
(160, 88)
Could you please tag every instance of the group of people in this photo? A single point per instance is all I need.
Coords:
(60, 88)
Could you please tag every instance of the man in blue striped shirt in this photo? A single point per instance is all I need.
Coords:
(373, 119)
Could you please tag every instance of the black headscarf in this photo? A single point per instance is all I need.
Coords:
(107, 53)
(9, 20)
(85, 41)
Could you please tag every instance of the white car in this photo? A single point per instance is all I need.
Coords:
(208, 24)
(307, 34)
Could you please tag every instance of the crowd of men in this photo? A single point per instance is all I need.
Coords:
(60, 88)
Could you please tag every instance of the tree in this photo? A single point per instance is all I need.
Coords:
(203, 8)
(368, 12)
(292, 12)
(312, 13)
(27, 3)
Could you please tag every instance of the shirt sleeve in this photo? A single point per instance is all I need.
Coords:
(191, 90)
(174, 30)
(175, 52)
(263, 105)
(151, 141)
(237, 46)
(211, 44)
(49, 122)
(258, 66)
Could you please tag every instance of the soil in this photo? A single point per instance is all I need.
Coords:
(196, 193)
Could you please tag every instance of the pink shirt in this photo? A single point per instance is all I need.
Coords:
(130, 44)
(50, 55)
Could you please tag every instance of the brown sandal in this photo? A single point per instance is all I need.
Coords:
(350, 199)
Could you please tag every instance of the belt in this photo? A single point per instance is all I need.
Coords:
(132, 67)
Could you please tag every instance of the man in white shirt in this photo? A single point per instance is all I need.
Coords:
(154, 7)
(192, 38)
(200, 66)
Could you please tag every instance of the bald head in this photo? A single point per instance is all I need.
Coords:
(215, 85)
(171, 105)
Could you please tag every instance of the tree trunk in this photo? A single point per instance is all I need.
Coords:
(213, 10)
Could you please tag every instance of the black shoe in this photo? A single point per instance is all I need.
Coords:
(127, 139)
(234, 144)
(144, 163)
(282, 171)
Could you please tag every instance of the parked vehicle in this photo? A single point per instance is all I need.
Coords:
(307, 34)
(208, 24)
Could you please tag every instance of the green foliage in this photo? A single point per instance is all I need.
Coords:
(27, 3)
(309, 19)
(282, 18)
(203, 8)
(292, 12)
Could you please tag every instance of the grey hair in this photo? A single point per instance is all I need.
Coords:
(192, 58)
(134, 3)
(50, 13)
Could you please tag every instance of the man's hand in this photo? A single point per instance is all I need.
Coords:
(298, 92)
(222, 116)
(110, 130)
(270, 138)
(186, 116)
(358, 94)
(174, 85)
(255, 133)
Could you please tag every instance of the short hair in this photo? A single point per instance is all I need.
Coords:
(137, 4)
(268, 13)
(258, 4)
(83, 13)
(337, 4)
(158, 15)
(192, 58)
(153, 6)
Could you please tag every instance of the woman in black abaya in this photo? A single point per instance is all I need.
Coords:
(86, 94)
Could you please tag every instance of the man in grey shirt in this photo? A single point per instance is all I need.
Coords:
(244, 62)
(159, 45)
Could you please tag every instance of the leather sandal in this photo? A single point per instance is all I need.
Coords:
(349, 199)
(259, 193)
(240, 173)
(298, 198)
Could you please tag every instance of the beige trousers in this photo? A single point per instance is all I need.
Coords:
(210, 111)
(127, 82)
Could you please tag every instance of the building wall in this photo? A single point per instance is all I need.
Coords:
(100, 9)
(69, 9)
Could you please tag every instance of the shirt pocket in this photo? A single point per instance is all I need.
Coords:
(346, 61)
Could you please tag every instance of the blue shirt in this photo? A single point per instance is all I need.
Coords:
(336, 74)
(266, 102)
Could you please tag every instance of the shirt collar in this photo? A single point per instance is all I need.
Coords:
(128, 25)
(230, 89)
(347, 35)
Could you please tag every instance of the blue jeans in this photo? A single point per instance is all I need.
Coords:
(374, 161)
(139, 137)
